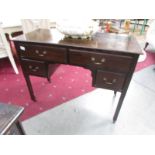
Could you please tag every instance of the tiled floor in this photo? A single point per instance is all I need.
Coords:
(92, 112)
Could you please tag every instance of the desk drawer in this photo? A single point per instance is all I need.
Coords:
(54, 54)
(100, 60)
(34, 67)
(109, 80)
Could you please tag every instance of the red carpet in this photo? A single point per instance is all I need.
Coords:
(68, 82)
(150, 60)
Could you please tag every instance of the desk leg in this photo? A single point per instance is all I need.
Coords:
(121, 99)
(126, 85)
(118, 108)
(48, 79)
(27, 78)
(146, 44)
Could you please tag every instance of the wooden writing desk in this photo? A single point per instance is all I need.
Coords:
(110, 57)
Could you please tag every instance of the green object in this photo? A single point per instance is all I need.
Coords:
(136, 23)
(143, 26)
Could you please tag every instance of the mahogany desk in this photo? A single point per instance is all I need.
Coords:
(110, 57)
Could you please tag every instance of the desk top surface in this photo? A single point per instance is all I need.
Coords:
(100, 41)
(8, 115)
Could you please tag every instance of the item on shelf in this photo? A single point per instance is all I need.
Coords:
(112, 26)
(127, 25)
(108, 26)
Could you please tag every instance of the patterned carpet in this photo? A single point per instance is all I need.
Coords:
(149, 60)
(67, 83)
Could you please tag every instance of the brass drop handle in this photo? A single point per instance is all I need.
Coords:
(107, 82)
(37, 67)
(44, 52)
(30, 67)
(41, 54)
(33, 68)
(98, 63)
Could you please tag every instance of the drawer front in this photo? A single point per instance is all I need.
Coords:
(54, 54)
(109, 80)
(34, 67)
(100, 60)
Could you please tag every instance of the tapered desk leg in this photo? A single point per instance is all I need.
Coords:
(115, 92)
(48, 79)
(121, 99)
(120, 102)
(27, 78)
(125, 88)
(146, 44)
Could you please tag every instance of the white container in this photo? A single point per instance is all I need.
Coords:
(77, 28)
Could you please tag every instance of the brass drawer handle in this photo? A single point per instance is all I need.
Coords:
(41, 54)
(98, 63)
(44, 52)
(30, 67)
(33, 68)
(37, 67)
(109, 83)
